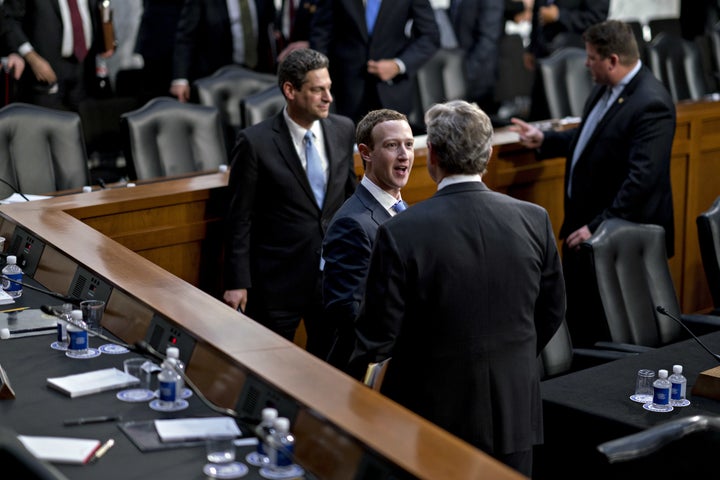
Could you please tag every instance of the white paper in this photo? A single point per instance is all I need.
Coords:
(92, 382)
(181, 429)
(61, 449)
(17, 198)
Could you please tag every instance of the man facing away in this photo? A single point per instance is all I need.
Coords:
(288, 177)
(386, 144)
(464, 290)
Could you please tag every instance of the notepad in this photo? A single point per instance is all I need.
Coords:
(181, 429)
(95, 381)
(61, 449)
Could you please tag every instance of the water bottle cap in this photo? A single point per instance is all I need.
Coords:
(662, 373)
(282, 425)
(172, 352)
(76, 315)
(677, 369)
(11, 259)
(269, 414)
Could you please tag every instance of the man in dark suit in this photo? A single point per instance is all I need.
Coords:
(618, 160)
(557, 24)
(206, 39)
(373, 66)
(386, 144)
(15, 63)
(277, 219)
(61, 68)
(464, 291)
(292, 29)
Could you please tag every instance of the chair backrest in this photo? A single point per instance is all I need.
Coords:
(557, 356)
(165, 137)
(440, 79)
(261, 105)
(708, 225)
(669, 25)
(633, 277)
(224, 90)
(676, 63)
(566, 80)
(41, 150)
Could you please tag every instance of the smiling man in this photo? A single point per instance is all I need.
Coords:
(288, 177)
(386, 144)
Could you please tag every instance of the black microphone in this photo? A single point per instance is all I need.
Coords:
(663, 311)
(14, 189)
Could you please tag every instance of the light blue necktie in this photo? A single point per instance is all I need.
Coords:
(588, 128)
(315, 172)
(371, 10)
(400, 206)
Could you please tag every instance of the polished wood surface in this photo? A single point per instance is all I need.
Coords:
(339, 420)
(695, 174)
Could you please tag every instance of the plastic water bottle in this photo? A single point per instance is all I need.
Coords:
(174, 353)
(282, 447)
(661, 393)
(12, 271)
(168, 383)
(678, 386)
(266, 428)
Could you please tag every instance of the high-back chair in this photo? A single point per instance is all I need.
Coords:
(261, 105)
(708, 225)
(42, 150)
(166, 137)
(633, 280)
(567, 81)
(676, 63)
(224, 90)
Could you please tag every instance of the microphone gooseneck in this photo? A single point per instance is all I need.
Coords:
(663, 311)
(14, 189)
(59, 296)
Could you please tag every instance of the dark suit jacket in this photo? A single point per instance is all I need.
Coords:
(575, 17)
(463, 292)
(346, 249)
(478, 25)
(274, 224)
(624, 170)
(204, 43)
(339, 31)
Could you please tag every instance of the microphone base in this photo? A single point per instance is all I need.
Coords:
(708, 384)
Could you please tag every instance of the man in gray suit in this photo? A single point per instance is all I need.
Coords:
(278, 214)
(386, 144)
(463, 292)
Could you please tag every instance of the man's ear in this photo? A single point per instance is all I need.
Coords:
(364, 151)
(288, 90)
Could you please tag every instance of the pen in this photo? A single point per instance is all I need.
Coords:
(10, 310)
(103, 450)
(86, 420)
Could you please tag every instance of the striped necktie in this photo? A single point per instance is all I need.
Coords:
(248, 33)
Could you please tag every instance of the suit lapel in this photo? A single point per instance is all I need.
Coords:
(377, 212)
(356, 9)
(287, 151)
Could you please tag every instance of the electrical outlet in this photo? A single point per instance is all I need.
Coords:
(87, 286)
(257, 395)
(28, 250)
(162, 334)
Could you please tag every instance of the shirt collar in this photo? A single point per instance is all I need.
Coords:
(460, 178)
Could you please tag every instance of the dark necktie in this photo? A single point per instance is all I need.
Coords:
(315, 172)
(249, 41)
(400, 206)
(79, 46)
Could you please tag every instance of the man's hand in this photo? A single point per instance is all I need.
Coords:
(386, 70)
(16, 65)
(292, 47)
(41, 68)
(181, 92)
(530, 136)
(577, 237)
(549, 14)
(237, 298)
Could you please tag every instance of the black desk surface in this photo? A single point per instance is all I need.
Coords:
(592, 406)
(40, 410)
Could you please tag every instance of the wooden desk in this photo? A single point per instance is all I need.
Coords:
(341, 426)
(695, 174)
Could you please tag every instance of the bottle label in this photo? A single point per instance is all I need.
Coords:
(661, 396)
(285, 455)
(168, 391)
(9, 286)
(677, 392)
(77, 339)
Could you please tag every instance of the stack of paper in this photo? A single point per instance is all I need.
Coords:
(92, 382)
(61, 449)
(181, 429)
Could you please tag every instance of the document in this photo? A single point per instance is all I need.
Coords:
(61, 449)
(181, 429)
(92, 382)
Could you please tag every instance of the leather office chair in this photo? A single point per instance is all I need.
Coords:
(261, 105)
(440, 79)
(567, 81)
(633, 278)
(669, 25)
(224, 90)
(165, 137)
(676, 63)
(708, 225)
(41, 150)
